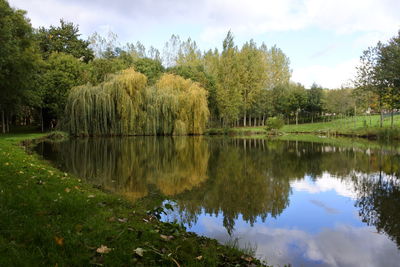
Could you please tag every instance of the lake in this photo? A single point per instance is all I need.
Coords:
(303, 203)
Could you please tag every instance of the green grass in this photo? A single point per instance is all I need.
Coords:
(50, 218)
(361, 126)
(357, 126)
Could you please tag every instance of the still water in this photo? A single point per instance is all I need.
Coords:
(304, 203)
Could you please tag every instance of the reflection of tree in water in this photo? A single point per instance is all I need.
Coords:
(379, 198)
(233, 177)
(131, 166)
(252, 178)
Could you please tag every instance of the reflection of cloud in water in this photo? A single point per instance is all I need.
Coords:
(341, 246)
(325, 183)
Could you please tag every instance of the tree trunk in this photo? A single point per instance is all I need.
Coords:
(3, 122)
(381, 119)
(250, 120)
(391, 118)
(7, 124)
(355, 121)
(297, 117)
(263, 120)
(312, 118)
(244, 118)
(41, 119)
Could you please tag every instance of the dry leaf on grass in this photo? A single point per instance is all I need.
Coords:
(103, 249)
(139, 251)
(166, 237)
(59, 240)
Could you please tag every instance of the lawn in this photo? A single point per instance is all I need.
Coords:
(362, 126)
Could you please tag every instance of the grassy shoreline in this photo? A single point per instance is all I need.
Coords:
(51, 218)
(360, 126)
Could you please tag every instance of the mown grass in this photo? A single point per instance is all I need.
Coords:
(50, 218)
(359, 126)
(364, 126)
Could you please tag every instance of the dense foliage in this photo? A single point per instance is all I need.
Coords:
(124, 105)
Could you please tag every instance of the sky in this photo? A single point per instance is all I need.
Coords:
(323, 38)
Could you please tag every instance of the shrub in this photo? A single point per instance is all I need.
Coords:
(274, 123)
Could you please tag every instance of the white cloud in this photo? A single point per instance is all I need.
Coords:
(329, 76)
(208, 21)
(342, 245)
(325, 183)
(243, 17)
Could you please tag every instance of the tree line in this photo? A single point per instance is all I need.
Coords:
(245, 85)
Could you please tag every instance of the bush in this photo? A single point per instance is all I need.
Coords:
(274, 123)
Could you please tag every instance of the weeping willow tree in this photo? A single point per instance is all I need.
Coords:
(125, 105)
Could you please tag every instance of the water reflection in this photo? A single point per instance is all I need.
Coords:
(133, 166)
(304, 203)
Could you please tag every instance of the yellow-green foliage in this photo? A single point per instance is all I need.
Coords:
(125, 105)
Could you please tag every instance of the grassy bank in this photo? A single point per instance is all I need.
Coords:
(50, 218)
(362, 126)
(359, 126)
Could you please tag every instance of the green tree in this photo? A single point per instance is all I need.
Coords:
(62, 72)
(297, 100)
(64, 39)
(189, 54)
(229, 89)
(314, 101)
(100, 68)
(18, 60)
(153, 69)
(206, 80)
(252, 76)
(388, 69)
(371, 76)
(278, 71)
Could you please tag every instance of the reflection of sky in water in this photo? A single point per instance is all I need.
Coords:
(320, 227)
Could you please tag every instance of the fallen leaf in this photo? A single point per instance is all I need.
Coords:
(166, 237)
(122, 220)
(103, 249)
(91, 196)
(59, 241)
(111, 219)
(247, 258)
(139, 251)
(199, 258)
(67, 190)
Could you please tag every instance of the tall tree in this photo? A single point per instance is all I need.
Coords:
(297, 100)
(228, 93)
(314, 101)
(18, 60)
(388, 69)
(62, 72)
(369, 76)
(278, 71)
(65, 39)
(252, 76)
